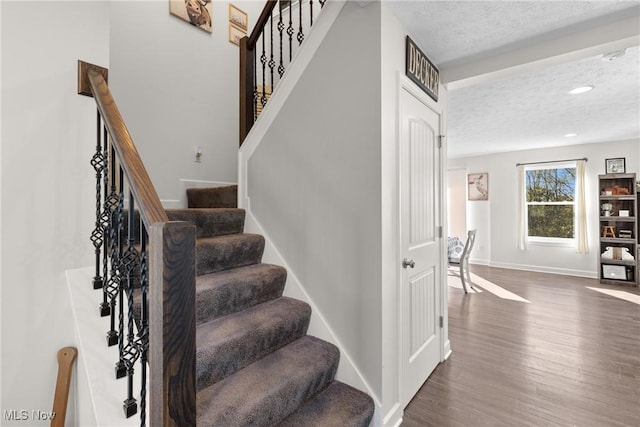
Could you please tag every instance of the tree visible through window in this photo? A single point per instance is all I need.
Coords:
(551, 202)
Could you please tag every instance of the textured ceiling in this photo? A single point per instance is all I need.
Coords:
(531, 109)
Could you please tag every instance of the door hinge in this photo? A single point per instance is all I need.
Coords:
(441, 322)
(439, 231)
(440, 140)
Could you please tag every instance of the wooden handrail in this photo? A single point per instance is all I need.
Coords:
(261, 22)
(171, 271)
(151, 209)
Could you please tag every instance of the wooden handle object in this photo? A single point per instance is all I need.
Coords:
(66, 357)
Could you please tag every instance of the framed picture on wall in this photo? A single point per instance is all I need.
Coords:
(616, 165)
(478, 186)
(235, 34)
(238, 18)
(196, 12)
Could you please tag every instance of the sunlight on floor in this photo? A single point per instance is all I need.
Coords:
(627, 296)
(500, 292)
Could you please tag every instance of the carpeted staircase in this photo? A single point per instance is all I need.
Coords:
(255, 364)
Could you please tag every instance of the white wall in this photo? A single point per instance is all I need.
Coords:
(48, 187)
(457, 202)
(314, 184)
(496, 218)
(177, 88)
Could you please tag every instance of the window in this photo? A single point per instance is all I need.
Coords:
(550, 201)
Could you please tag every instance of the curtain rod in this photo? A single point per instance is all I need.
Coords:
(552, 161)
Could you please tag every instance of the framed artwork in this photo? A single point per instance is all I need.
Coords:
(235, 34)
(238, 18)
(616, 165)
(196, 12)
(478, 186)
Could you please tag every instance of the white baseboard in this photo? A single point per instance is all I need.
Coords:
(393, 418)
(348, 372)
(447, 349)
(545, 269)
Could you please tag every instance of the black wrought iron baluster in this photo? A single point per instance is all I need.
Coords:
(272, 62)
(113, 283)
(130, 352)
(105, 221)
(143, 330)
(290, 32)
(255, 86)
(263, 59)
(280, 30)
(97, 236)
(121, 370)
(310, 13)
(300, 36)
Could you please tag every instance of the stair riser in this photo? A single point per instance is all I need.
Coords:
(227, 292)
(289, 380)
(222, 255)
(218, 197)
(211, 222)
(221, 350)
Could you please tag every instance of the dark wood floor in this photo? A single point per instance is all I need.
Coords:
(569, 358)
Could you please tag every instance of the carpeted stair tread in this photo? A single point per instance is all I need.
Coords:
(339, 405)
(226, 252)
(267, 391)
(230, 343)
(229, 291)
(214, 197)
(211, 222)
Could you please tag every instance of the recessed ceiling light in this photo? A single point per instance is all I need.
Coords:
(581, 89)
(570, 135)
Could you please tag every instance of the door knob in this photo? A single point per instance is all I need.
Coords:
(408, 263)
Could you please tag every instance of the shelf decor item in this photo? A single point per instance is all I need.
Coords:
(606, 208)
(615, 272)
(616, 165)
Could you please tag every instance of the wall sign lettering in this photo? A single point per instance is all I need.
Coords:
(422, 71)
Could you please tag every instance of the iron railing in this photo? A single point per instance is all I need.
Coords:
(145, 267)
(266, 53)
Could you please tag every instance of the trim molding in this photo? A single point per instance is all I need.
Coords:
(543, 269)
(348, 372)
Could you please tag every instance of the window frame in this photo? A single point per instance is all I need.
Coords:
(549, 241)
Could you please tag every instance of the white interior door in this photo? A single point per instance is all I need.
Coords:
(420, 223)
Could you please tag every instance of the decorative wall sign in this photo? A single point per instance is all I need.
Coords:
(238, 18)
(478, 186)
(196, 12)
(421, 71)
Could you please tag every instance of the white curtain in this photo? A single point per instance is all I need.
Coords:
(522, 209)
(581, 209)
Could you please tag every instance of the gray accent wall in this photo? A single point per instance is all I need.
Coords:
(315, 184)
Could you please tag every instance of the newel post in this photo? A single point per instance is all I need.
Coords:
(247, 71)
(172, 333)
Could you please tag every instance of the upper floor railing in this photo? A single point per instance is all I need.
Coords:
(268, 50)
(145, 268)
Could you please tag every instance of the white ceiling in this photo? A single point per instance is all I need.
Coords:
(510, 64)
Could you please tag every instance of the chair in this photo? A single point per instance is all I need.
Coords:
(460, 258)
